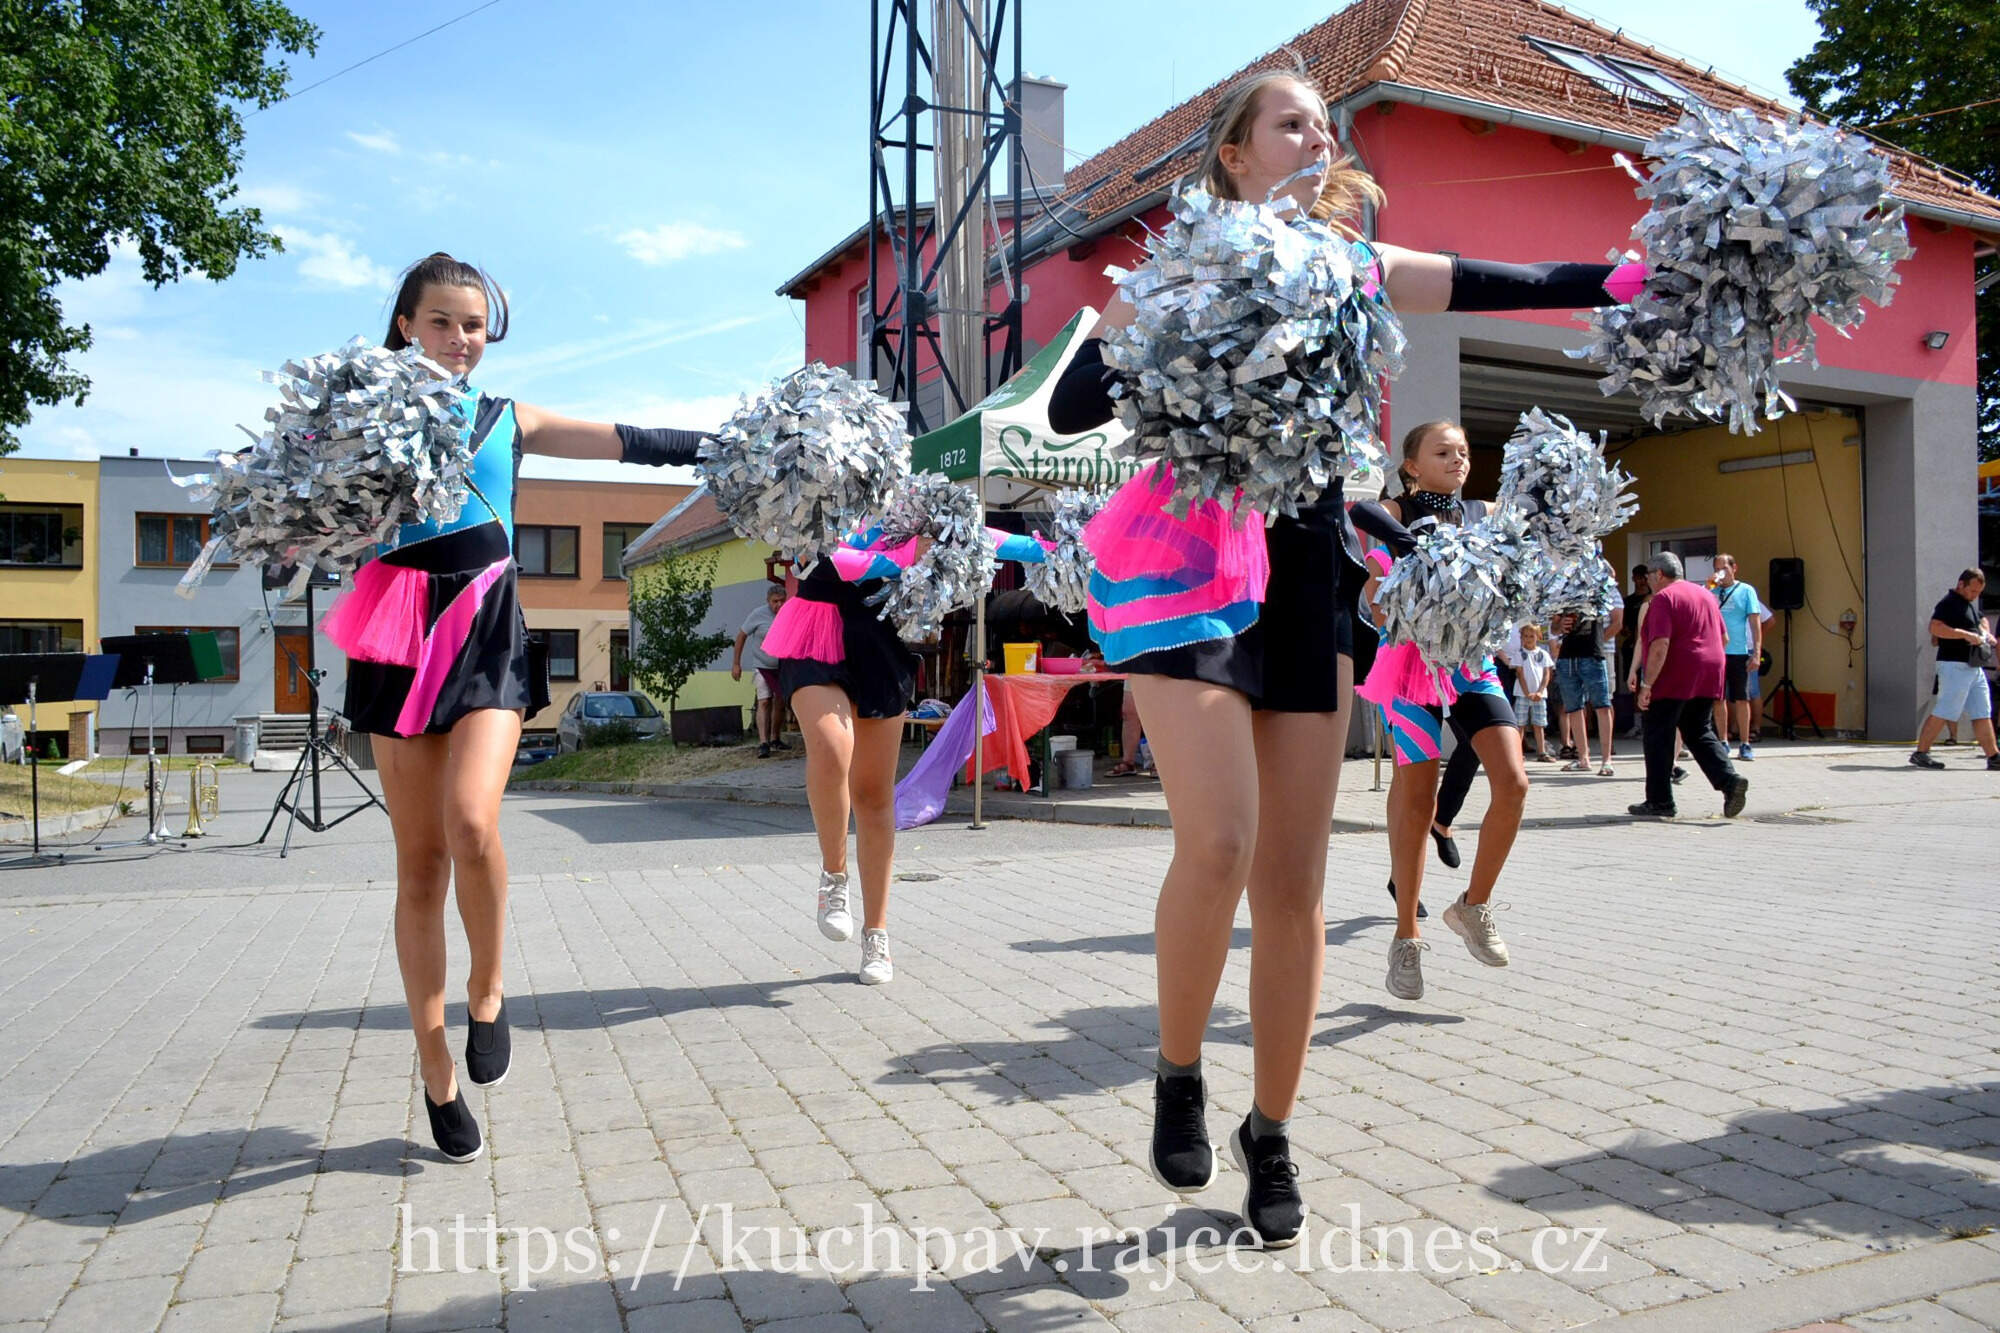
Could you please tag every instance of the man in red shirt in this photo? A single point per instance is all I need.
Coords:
(1681, 646)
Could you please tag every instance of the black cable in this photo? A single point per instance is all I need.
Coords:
(371, 59)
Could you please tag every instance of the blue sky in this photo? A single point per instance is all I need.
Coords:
(640, 176)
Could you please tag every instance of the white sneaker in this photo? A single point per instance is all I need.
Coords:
(1406, 968)
(876, 969)
(1473, 923)
(835, 921)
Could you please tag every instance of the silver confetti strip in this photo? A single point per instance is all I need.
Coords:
(1255, 361)
(1061, 581)
(953, 573)
(1584, 587)
(807, 461)
(362, 441)
(1459, 594)
(1572, 496)
(1754, 225)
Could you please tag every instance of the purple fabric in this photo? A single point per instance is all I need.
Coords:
(921, 795)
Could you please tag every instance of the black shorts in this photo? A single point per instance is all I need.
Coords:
(879, 673)
(1287, 661)
(1736, 677)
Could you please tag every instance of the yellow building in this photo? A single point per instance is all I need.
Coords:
(743, 571)
(48, 567)
(1793, 490)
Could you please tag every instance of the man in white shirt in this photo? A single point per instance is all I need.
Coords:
(750, 652)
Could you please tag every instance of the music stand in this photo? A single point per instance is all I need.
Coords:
(146, 660)
(30, 678)
(319, 750)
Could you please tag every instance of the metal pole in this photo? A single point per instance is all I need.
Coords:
(979, 689)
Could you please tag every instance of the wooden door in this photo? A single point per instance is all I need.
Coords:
(288, 693)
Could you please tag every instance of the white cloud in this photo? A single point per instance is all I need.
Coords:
(164, 396)
(672, 241)
(648, 336)
(381, 141)
(276, 198)
(332, 260)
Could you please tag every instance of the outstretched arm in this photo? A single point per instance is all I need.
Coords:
(544, 432)
(1423, 283)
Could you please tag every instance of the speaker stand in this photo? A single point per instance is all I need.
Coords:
(1786, 695)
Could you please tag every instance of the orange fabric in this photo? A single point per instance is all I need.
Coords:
(1022, 706)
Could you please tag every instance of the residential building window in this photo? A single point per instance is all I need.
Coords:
(210, 744)
(47, 535)
(170, 540)
(560, 644)
(546, 552)
(41, 636)
(618, 536)
(228, 641)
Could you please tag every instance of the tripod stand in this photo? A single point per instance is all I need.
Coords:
(319, 753)
(1786, 695)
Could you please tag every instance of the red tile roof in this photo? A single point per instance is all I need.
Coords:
(1471, 49)
(698, 518)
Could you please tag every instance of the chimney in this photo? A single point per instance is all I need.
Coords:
(132, 453)
(1042, 136)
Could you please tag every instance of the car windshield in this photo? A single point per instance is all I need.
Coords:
(619, 705)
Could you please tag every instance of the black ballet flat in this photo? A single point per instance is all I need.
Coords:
(488, 1050)
(1447, 848)
(454, 1128)
(1423, 913)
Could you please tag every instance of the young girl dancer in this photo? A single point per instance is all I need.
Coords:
(1436, 460)
(440, 674)
(849, 678)
(1246, 721)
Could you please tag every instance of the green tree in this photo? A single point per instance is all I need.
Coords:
(1888, 60)
(119, 121)
(669, 603)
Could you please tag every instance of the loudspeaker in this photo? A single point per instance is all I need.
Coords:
(1788, 583)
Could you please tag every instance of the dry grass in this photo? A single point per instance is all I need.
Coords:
(60, 795)
(641, 761)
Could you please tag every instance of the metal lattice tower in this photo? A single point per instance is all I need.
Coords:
(932, 335)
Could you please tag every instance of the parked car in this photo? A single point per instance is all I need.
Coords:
(595, 708)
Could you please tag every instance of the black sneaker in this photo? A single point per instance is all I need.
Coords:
(1423, 913)
(764, 750)
(1183, 1159)
(1272, 1206)
(1923, 759)
(1647, 810)
(488, 1050)
(1447, 848)
(780, 744)
(1732, 801)
(456, 1132)
(1993, 763)
(1567, 752)
(1679, 774)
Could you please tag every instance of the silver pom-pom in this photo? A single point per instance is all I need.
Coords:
(808, 461)
(953, 573)
(362, 441)
(1062, 581)
(1254, 363)
(1583, 587)
(1458, 596)
(1559, 478)
(1754, 225)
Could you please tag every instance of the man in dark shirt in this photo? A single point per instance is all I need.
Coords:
(1958, 632)
(1628, 639)
(1681, 653)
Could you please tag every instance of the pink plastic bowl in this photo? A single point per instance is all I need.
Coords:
(1061, 666)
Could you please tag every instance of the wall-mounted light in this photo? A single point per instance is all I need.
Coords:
(1936, 339)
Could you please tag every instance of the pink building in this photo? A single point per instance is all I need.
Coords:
(1492, 125)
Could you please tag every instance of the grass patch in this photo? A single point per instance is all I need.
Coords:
(60, 795)
(641, 761)
(135, 764)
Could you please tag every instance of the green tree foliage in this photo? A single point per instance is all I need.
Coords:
(1883, 60)
(669, 603)
(119, 121)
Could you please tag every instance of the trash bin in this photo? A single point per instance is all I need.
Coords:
(1058, 747)
(246, 739)
(1076, 768)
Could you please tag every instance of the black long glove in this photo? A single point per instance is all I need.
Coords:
(658, 446)
(1484, 284)
(1371, 518)
(1082, 397)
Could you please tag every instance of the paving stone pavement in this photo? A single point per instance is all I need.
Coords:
(1741, 1075)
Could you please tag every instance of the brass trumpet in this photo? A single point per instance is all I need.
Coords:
(204, 799)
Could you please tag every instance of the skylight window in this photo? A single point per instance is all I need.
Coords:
(1620, 77)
